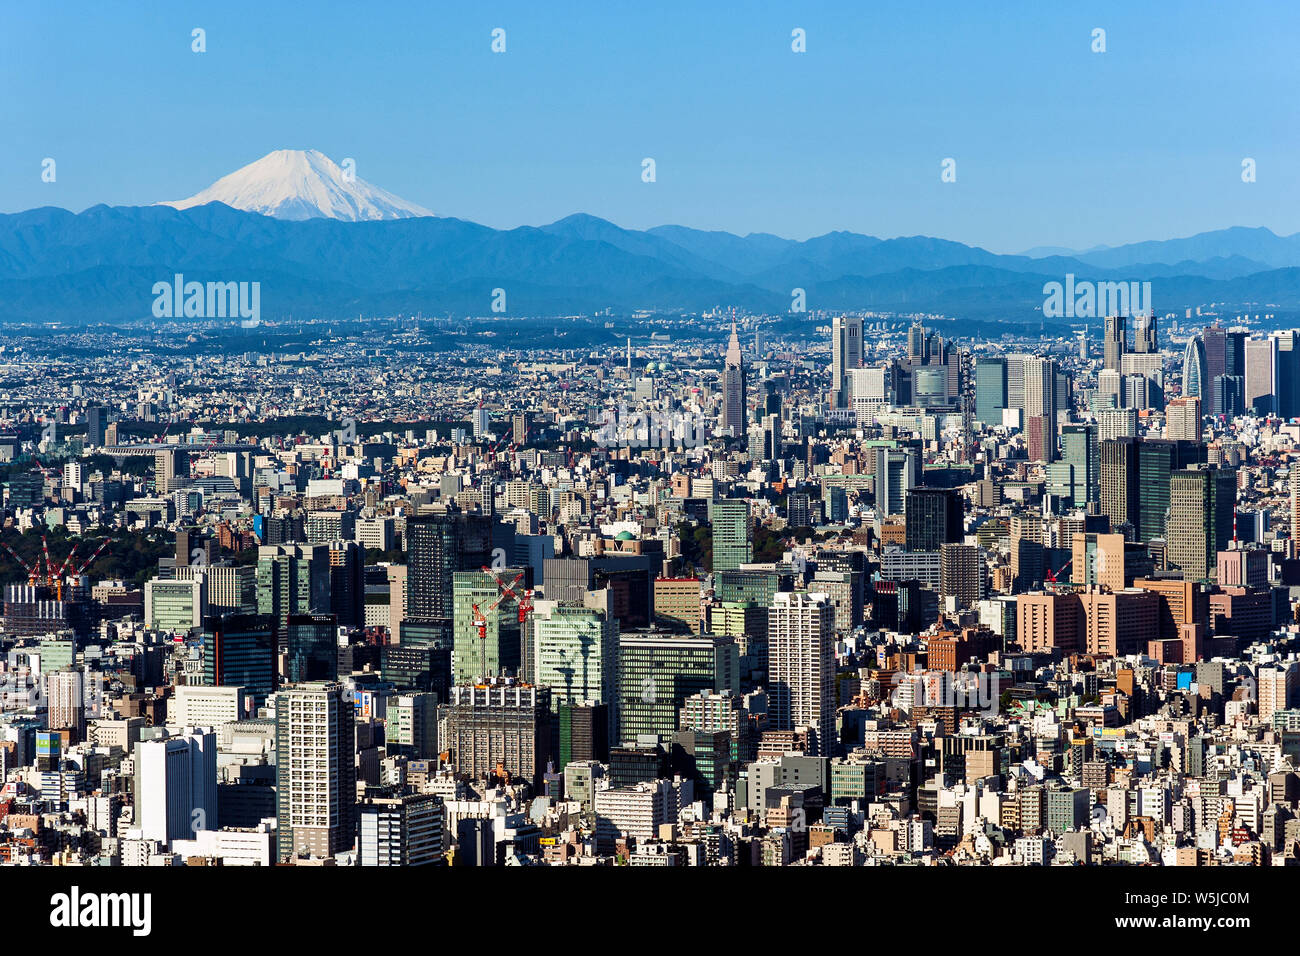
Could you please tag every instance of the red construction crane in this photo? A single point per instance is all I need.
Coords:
(480, 616)
(1051, 576)
(33, 574)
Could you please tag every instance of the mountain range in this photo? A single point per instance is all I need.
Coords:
(322, 243)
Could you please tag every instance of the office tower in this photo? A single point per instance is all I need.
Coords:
(479, 421)
(1183, 420)
(1261, 369)
(1287, 373)
(576, 656)
(1110, 389)
(66, 709)
(177, 605)
(623, 583)
(1047, 621)
(678, 600)
(962, 574)
(96, 423)
(316, 788)
(403, 830)
(1157, 460)
(733, 387)
(846, 354)
(1039, 443)
(292, 579)
(934, 517)
(895, 476)
(930, 386)
(1016, 382)
(918, 344)
(171, 470)
(704, 758)
(312, 648)
(1079, 451)
(801, 667)
(1201, 504)
(439, 545)
(239, 650)
(1098, 561)
(176, 785)
(492, 649)
(1116, 423)
(1196, 380)
(657, 672)
(732, 546)
(500, 726)
(1119, 481)
(1145, 334)
(1215, 341)
(347, 571)
(1116, 341)
(990, 389)
(583, 731)
(1040, 391)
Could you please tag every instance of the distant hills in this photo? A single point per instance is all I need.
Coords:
(100, 266)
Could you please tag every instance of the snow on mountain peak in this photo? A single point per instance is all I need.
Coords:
(303, 184)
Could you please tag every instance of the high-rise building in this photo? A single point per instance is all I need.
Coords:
(801, 666)
(678, 599)
(96, 424)
(990, 389)
(176, 785)
(895, 476)
(411, 727)
(962, 574)
(733, 387)
(1145, 334)
(1196, 381)
(171, 470)
(485, 624)
(1120, 490)
(1261, 375)
(1286, 375)
(498, 727)
(576, 655)
(1183, 419)
(312, 648)
(657, 672)
(1080, 454)
(239, 650)
(1116, 341)
(316, 788)
(439, 545)
(403, 830)
(66, 707)
(1201, 504)
(935, 516)
(292, 579)
(732, 545)
(846, 354)
(347, 572)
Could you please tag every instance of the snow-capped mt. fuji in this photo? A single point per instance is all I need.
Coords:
(302, 184)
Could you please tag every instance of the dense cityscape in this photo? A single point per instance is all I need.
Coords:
(693, 590)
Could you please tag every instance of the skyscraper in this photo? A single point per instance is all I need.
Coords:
(1079, 452)
(1261, 370)
(1183, 420)
(846, 354)
(801, 666)
(657, 672)
(239, 651)
(1119, 481)
(1201, 504)
(497, 651)
(439, 545)
(733, 386)
(732, 546)
(990, 389)
(176, 785)
(1145, 334)
(1116, 342)
(316, 788)
(1195, 371)
(895, 476)
(935, 517)
(292, 579)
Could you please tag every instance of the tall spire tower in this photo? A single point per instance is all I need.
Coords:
(733, 386)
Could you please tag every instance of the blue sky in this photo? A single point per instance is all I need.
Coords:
(1054, 144)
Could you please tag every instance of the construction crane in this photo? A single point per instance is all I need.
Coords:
(45, 574)
(1051, 575)
(480, 615)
